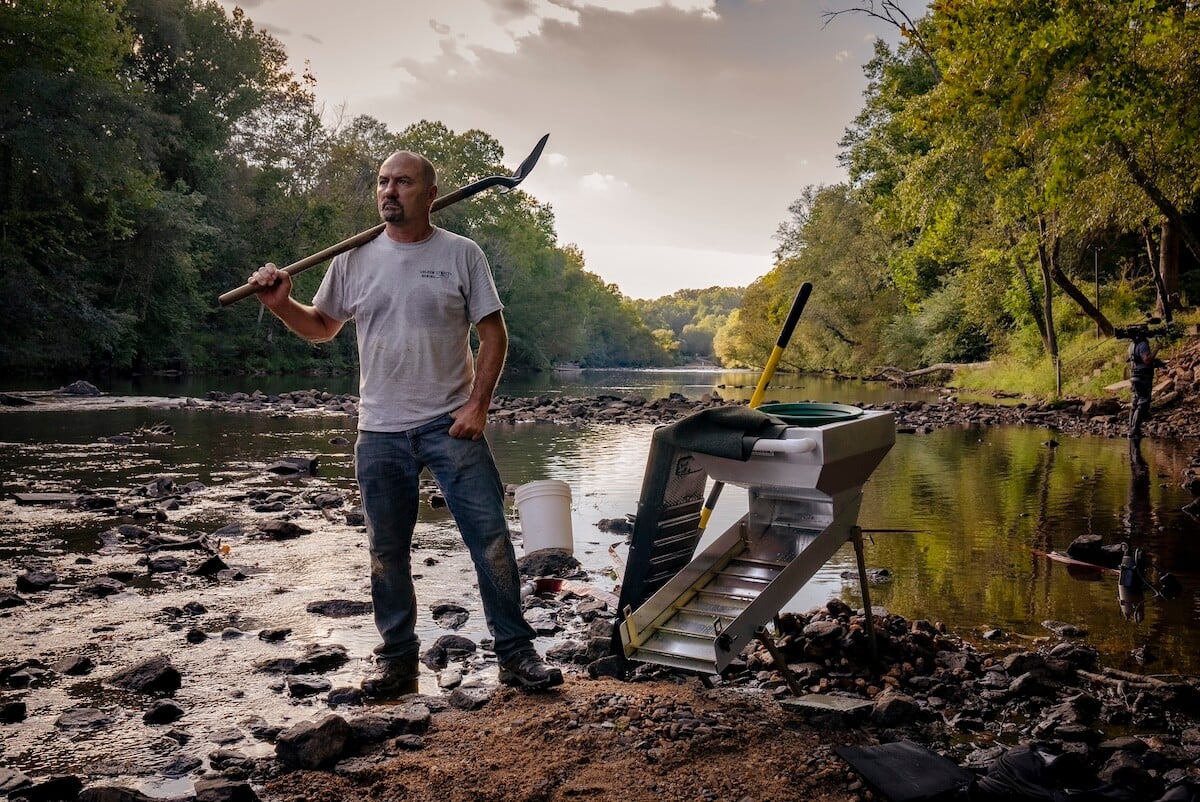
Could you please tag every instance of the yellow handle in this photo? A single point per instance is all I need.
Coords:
(760, 390)
(765, 379)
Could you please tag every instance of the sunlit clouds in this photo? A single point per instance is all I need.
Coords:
(677, 129)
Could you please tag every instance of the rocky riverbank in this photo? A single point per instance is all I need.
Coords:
(768, 729)
(191, 652)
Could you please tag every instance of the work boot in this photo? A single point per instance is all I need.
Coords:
(392, 678)
(527, 671)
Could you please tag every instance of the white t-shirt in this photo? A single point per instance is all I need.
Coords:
(413, 305)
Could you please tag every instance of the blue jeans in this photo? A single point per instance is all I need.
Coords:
(388, 466)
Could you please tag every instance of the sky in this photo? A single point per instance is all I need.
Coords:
(680, 130)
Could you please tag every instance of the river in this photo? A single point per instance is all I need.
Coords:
(961, 518)
(979, 505)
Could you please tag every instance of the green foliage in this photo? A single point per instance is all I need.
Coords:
(152, 152)
(831, 242)
(689, 319)
(1022, 154)
(72, 150)
(948, 332)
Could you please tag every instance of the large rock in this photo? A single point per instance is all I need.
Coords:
(390, 722)
(9, 400)
(54, 789)
(339, 608)
(446, 648)
(11, 780)
(11, 713)
(1092, 549)
(313, 744)
(8, 600)
(219, 789)
(153, 675)
(321, 657)
(302, 685)
(166, 565)
(548, 562)
(892, 708)
(470, 698)
(36, 580)
(102, 587)
(74, 666)
(164, 711)
(79, 388)
(294, 466)
(83, 718)
(282, 530)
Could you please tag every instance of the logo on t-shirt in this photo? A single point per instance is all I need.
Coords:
(435, 274)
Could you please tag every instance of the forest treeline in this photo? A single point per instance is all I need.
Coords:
(686, 323)
(153, 152)
(1023, 176)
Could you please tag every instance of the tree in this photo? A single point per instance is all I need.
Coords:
(77, 173)
(1101, 93)
(1005, 142)
(691, 318)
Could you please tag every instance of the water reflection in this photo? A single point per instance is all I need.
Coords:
(992, 503)
(1139, 519)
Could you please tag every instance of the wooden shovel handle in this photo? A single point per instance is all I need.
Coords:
(361, 238)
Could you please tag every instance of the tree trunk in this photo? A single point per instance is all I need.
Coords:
(1078, 296)
(1031, 300)
(1162, 307)
(1046, 259)
(1168, 267)
(1160, 200)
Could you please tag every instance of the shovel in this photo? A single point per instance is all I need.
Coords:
(506, 181)
(785, 334)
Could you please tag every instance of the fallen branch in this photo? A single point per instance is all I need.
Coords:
(1115, 678)
(1119, 684)
(901, 376)
(199, 544)
(1129, 676)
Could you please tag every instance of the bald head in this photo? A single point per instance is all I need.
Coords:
(425, 169)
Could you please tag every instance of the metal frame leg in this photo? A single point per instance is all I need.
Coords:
(857, 540)
(780, 661)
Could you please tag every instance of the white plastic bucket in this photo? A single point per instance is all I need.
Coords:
(544, 508)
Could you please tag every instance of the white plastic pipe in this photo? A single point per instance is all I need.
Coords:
(800, 445)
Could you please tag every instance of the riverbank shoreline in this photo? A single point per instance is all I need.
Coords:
(1175, 412)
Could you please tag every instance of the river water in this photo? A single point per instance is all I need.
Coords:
(961, 518)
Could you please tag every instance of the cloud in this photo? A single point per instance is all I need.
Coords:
(703, 110)
(718, 113)
(602, 182)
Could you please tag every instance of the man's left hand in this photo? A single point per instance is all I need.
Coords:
(469, 420)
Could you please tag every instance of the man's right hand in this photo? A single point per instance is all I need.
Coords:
(277, 284)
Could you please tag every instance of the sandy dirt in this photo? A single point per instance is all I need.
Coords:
(600, 739)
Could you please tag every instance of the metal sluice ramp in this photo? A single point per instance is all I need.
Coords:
(804, 482)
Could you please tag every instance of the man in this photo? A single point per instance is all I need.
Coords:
(1142, 359)
(413, 293)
